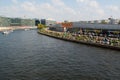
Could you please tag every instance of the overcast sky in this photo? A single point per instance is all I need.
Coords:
(60, 10)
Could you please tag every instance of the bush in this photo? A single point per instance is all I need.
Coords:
(40, 26)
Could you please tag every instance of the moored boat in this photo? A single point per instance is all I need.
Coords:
(5, 32)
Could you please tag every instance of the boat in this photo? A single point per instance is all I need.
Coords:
(27, 29)
(11, 31)
(5, 32)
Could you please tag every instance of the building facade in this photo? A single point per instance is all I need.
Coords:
(47, 22)
(5, 22)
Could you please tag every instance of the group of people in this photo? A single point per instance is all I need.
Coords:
(88, 37)
(91, 37)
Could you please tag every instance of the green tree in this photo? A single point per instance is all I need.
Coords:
(103, 22)
(40, 26)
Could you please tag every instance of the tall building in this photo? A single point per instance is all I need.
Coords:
(50, 22)
(114, 21)
(37, 21)
(15, 22)
(47, 22)
(43, 21)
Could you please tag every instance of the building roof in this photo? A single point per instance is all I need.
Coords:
(97, 26)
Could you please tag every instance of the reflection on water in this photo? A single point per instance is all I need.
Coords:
(27, 55)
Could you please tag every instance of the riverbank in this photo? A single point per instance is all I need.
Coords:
(83, 39)
(16, 28)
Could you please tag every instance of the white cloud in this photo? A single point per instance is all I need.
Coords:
(15, 1)
(58, 3)
(94, 4)
(82, 1)
(28, 6)
(89, 3)
(90, 8)
(114, 8)
(55, 10)
(63, 11)
(59, 10)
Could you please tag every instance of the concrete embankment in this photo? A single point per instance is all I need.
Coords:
(5, 28)
(17, 28)
(81, 42)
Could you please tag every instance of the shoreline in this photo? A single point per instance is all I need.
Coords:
(82, 42)
(16, 28)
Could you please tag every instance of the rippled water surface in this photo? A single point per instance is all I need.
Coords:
(27, 55)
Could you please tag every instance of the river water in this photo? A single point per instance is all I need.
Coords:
(27, 55)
